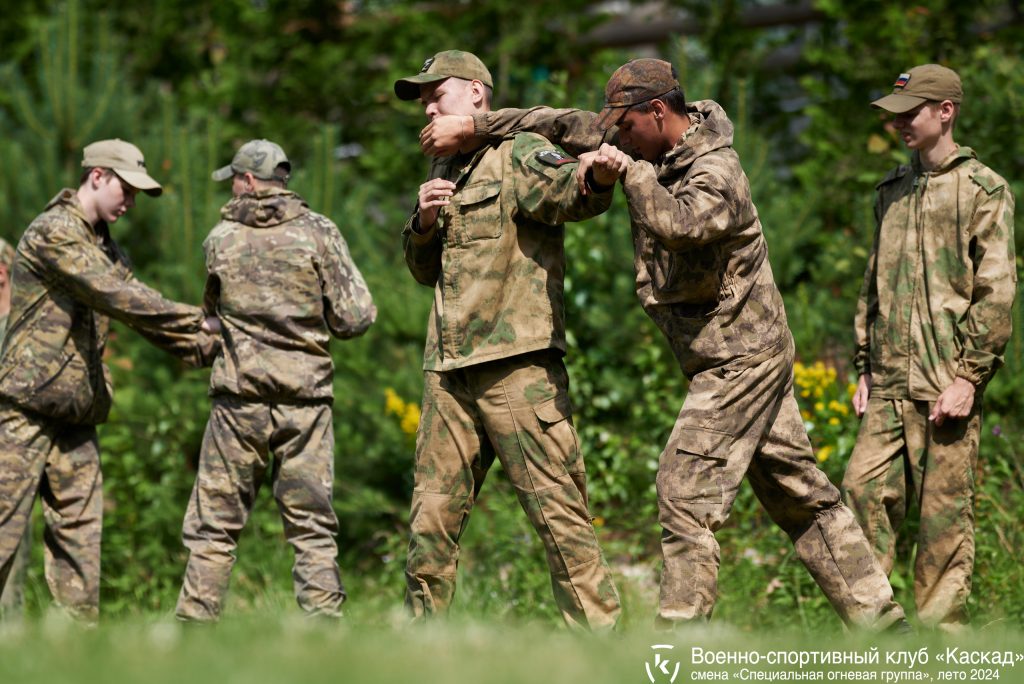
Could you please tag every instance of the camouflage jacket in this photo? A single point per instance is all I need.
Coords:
(702, 271)
(939, 286)
(281, 280)
(496, 257)
(68, 277)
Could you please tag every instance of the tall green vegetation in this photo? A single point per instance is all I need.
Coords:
(188, 82)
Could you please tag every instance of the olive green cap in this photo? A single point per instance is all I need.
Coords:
(636, 81)
(125, 160)
(262, 158)
(464, 65)
(924, 83)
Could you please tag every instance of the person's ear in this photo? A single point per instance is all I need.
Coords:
(946, 110)
(659, 109)
(477, 89)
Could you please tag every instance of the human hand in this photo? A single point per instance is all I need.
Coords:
(447, 134)
(605, 165)
(956, 401)
(860, 397)
(434, 194)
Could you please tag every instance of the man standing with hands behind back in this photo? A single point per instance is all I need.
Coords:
(932, 322)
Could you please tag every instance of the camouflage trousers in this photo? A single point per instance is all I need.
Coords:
(12, 599)
(62, 463)
(237, 446)
(740, 420)
(901, 455)
(518, 410)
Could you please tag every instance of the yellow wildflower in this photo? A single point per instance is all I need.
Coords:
(824, 452)
(393, 404)
(410, 419)
(833, 421)
(819, 407)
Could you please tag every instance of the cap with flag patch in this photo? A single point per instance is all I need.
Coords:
(924, 83)
(464, 65)
(125, 160)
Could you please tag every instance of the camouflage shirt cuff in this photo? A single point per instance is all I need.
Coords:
(975, 379)
(480, 125)
(418, 236)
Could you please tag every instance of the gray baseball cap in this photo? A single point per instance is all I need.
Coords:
(262, 158)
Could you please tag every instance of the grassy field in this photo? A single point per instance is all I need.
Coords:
(276, 646)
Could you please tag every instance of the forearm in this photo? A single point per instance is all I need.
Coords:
(422, 251)
(569, 128)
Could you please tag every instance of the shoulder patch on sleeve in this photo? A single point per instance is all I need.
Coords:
(555, 158)
(989, 183)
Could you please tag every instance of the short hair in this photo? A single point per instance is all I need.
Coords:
(87, 171)
(674, 99)
(276, 181)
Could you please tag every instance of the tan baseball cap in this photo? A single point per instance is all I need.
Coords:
(636, 81)
(262, 158)
(924, 83)
(443, 65)
(125, 160)
(6, 253)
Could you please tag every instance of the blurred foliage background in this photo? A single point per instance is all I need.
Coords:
(189, 81)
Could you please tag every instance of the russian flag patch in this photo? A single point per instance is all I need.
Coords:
(902, 81)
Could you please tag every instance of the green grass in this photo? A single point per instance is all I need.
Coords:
(282, 646)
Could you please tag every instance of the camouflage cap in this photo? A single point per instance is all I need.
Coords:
(443, 65)
(924, 83)
(261, 158)
(125, 160)
(636, 81)
(6, 253)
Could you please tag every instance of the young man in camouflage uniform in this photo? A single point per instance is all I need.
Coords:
(282, 282)
(702, 274)
(487, 236)
(69, 276)
(12, 599)
(932, 323)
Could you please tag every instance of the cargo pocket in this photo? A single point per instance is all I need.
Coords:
(555, 418)
(479, 214)
(693, 467)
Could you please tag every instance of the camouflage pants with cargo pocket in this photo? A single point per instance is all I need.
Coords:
(900, 455)
(518, 410)
(61, 462)
(236, 453)
(740, 420)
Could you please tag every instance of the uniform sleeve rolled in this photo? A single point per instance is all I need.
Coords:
(547, 191)
(986, 329)
(348, 307)
(712, 204)
(571, 129)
